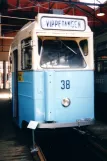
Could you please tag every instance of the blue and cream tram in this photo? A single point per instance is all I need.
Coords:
(53, 72)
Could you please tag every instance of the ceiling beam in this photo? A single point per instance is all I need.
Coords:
(11, 25)
(4, 37)
(72, 2)
(89, 14)
(50, 6)
(21, 18)
(69, 9)
(18, 3)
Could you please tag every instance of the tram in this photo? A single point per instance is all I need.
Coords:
(53, 72)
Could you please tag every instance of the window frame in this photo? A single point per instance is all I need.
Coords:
(23, 47)
(61, 67)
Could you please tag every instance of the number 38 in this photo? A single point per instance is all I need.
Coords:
(65, 84)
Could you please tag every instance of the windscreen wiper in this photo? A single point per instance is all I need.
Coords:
(68, 47)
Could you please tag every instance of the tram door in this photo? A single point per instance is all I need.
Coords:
(15, 88)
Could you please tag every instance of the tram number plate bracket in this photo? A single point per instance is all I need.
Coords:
(32, 125)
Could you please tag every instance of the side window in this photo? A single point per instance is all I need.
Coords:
(39, 45)
(26, 54)
(10, 63)
(105, 66)
(100, 67)
(84, 46)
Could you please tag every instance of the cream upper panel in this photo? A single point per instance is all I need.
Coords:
(54, 26)
(62, 22)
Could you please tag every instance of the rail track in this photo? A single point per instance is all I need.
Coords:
(56, 144)
(14, 144)
(68, 144)
(94, 144)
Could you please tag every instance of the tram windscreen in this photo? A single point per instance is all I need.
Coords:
(61, 54)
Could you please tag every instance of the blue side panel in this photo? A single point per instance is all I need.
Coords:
(13, 93)
(41, 93)
(31, 95)
(50, 95)
(81, 94)
(25, 98)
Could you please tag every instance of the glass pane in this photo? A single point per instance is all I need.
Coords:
(84, 46)
(26, 54)
(61, 54)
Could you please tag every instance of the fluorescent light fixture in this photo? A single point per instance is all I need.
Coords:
(100, 13)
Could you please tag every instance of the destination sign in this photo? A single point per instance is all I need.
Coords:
(56, 23)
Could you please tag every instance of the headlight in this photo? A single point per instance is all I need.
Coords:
(66, 102)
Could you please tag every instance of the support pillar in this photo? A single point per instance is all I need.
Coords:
(0, 24)
(4, 74)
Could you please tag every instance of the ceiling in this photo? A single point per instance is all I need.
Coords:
(15, 13)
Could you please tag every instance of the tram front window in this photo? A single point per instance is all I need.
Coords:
(61, 54)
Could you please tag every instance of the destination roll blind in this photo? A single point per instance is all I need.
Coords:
(63, 23)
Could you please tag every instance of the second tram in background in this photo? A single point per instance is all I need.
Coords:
(101, 76)
(53, 72)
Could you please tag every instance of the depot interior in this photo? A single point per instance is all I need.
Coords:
(15, 13)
